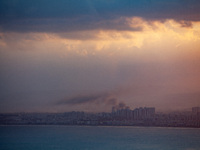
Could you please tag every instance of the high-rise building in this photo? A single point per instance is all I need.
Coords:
(195, 110)
(136, 114)
(149, 112)
(143, 113)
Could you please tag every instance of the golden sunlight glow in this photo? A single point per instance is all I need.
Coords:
(155, 38)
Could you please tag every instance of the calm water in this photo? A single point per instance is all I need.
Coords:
(97, 138)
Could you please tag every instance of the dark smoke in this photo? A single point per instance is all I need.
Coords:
(102, 98)
(120, 105)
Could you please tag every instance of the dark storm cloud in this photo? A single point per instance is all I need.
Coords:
(70, 15)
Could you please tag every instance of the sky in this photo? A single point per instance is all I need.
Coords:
(91, 55)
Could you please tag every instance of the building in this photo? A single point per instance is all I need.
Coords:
(195, 110)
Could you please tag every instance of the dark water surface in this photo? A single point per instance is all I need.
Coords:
(98, 138)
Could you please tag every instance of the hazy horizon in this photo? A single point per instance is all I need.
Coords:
(91, 55)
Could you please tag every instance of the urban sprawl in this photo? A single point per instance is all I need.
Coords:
(146, 116)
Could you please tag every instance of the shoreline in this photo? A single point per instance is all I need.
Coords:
(64, 125)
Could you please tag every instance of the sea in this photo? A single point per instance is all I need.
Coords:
(50, 137)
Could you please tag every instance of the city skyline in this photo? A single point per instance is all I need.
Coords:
(91, 55)
(119, 116)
